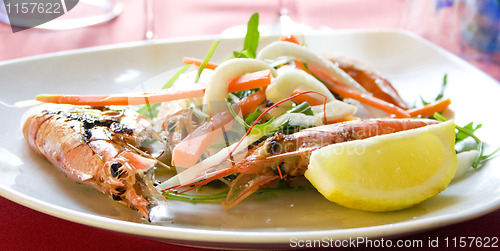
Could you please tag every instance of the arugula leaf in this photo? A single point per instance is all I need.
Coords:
(261, 128)
(440, 94)
(243, 94)
(303, 108)
(460, 136)
(253, 116)
(251, 39)
(483, 158)
(264, 129)
(207, 58)
(468, 131)
(443, 87)
(236, 116)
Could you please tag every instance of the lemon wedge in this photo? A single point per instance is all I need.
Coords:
(387, 172)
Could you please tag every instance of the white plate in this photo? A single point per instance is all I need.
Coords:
(415, 66)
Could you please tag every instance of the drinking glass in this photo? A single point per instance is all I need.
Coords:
(149, 28)
(84, 13)
(284, 23)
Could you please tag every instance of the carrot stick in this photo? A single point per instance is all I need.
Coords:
(347, 92)
(250, 103)
(198, 62)
(291, 39)
(188, 151)
(250, 81)
(125, 99)
(429, 110)
(305, 98)
(241, 83)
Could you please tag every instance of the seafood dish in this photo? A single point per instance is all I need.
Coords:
(276, 117)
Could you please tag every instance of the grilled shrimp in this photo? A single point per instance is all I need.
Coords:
(97, 147)
(287, 156)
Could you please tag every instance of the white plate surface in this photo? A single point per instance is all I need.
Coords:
(415, 67)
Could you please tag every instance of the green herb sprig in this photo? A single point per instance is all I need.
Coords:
(244, 122)
(195, 198)
(220, 196)
(207, 58)
(440, 94)
(251, 39)
(303, 108)
(468, 131)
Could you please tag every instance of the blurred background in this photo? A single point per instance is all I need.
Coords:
(468, 28)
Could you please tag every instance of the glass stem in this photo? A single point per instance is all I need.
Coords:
(149, 20)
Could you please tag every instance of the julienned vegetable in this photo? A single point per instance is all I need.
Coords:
(125, 99)
(430, 109)
(250, 81)
(240, 83)
(206, 60)
(189, 151)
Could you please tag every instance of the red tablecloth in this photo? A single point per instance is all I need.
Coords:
(24, 229)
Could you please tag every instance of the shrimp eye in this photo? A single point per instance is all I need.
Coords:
(171, 126)
(120, 129)
(115, 169)
(273, 147)
(120, 190)
(116, 197)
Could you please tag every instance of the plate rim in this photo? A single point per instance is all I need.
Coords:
(253, 237)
